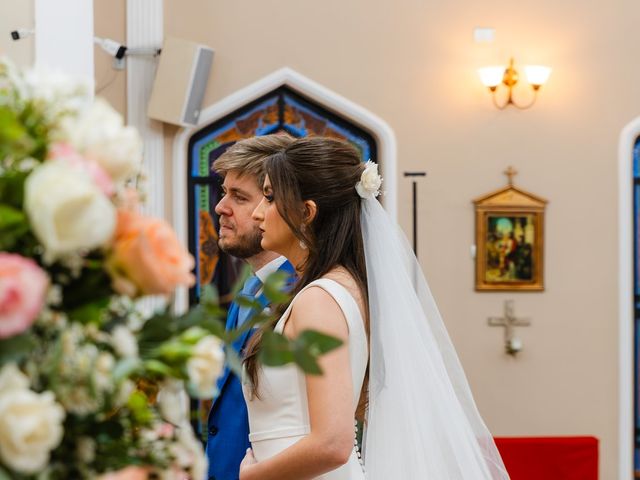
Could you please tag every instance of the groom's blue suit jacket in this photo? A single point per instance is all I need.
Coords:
(228, 424)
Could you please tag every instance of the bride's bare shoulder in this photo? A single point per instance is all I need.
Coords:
(315, 309)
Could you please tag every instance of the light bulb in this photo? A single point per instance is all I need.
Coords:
(491, 76)
(537, 75)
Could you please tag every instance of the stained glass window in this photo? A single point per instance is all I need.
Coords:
(282, 110)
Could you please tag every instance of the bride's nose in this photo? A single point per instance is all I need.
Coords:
(258, 212)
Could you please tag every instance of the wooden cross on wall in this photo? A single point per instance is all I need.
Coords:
(512, 344)
(510, 172)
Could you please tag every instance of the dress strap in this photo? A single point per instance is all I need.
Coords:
(343, 298)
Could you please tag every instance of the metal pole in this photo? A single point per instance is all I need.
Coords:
(415, 207)
(415, 218)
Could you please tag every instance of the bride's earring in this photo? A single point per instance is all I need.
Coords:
(302, 244)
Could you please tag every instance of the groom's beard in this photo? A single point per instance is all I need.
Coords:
(244, 246)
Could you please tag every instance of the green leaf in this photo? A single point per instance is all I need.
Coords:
(275, 350)
(174, 351)
(125, 368)
(11, 217)
(14, 138)
(193, 335)
(256, 319)
(9, 123)
(210, 295)
(276, 286)
(214, 326)
(316, 343)
(92, 283)
(89, 312)
(4, 475)
(307, 362)
(158, 328)
(239, 283)
(12, 187)
(14, 349)
(139, 405)
(207, 317)
(108, 430)
(160, 368)
(246, 302)
(310, 345)
(233, 361)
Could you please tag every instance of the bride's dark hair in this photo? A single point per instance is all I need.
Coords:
(326, 171)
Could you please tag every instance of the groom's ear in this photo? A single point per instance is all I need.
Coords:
(310, 211)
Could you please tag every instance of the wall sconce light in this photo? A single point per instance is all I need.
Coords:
(492, 77)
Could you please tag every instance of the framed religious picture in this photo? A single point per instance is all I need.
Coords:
(510, 239)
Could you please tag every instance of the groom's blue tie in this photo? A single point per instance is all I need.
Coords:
(251, 287)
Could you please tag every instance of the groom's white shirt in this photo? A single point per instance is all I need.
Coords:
(268, 269)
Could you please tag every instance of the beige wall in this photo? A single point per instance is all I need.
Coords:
(13, 16)
(413, 63)
(110, 22)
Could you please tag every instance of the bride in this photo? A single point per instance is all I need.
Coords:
(396, 370)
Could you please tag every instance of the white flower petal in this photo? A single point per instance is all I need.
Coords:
(67, 211)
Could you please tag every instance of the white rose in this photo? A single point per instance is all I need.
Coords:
(205, 366)
(30, 427)
(95, 123)
(121, 155)
(370, 181)
(124, 342)
(58, 92)
(101, 136)
(173, 402)
(68, 212)
(11, 379)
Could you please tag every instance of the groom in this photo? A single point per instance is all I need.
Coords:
(242, 168)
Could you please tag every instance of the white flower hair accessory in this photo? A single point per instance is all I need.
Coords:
(370, 181)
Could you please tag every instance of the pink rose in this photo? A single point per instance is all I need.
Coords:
(165, 430)
(100, 177)
(147, 257)
(129, 473)
(23, 288)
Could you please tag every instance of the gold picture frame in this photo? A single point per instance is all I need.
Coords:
(510, 240)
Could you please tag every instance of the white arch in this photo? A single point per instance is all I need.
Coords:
(628, 138)
(381, 131)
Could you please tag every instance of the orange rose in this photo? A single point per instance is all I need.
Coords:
(147, 258)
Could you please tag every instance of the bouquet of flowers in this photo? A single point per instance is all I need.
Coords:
(90, 387)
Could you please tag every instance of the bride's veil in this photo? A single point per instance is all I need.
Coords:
(422, 422)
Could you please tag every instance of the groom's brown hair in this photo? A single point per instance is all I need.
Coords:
(246, 157)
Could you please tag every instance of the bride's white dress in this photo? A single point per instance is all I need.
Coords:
(280, 417)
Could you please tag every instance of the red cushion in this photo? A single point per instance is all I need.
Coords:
(550, 458)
